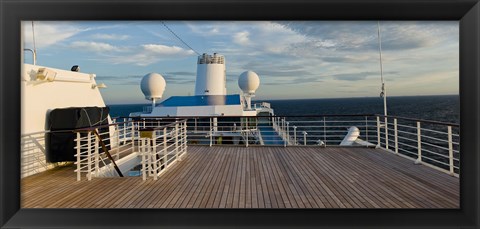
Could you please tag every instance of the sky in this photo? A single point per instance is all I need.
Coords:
(294, 59)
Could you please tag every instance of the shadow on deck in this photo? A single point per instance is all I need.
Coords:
(257, 177)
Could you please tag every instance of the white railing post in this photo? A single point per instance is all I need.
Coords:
(124, 128)
(378, 132)
(143, 153)
(185, 140)
(165, 150)
(324, 130)
(132, 136)
(78, 157)
(304, 138)
(117, 139)
(282, 128)
(396, 134)
(176, 141)
(450, 150)
(386, 133)
(288, 134)
(89, 156)
(419, 144)
(294, 135)
(211, 133)
(152, 151)
(96, 154)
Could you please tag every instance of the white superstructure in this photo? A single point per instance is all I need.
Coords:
(211, 98)
(45, 89)
(211, 75)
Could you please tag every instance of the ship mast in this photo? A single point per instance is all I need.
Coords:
(384, 92)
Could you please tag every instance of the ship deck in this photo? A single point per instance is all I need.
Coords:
(257, 177)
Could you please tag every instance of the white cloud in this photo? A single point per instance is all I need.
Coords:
(241, 38)
(152, 53)
(166, 50)
(48, 33)
(94, 46)
(103, 36)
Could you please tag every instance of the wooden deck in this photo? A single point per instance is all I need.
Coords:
(257, 177)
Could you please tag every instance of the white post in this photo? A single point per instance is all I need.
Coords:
(176, 141)
(152, 153)
(78, 157)
(215, 124)
(450, 150)
(386, 133)
(89, 156)
(288, 133)
(396, 135)
(132, 134)
(117, 139)
(324, 131)
(96, 155)
(165, 150)
(294, 135)
(143, 152)
(211, 133)
(304, 138)
(419, 144)
(124, 130)
(378, 132)
(246, 131)
(185, 137)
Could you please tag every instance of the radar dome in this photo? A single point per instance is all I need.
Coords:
(153, 86)
(248, 82)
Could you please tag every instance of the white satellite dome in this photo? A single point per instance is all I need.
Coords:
(248, 82)
(153, 86)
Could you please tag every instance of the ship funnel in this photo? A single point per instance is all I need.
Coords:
(249, 82)
(153, 86)
(211, 75)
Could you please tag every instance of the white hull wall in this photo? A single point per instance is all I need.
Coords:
(38, 98)
(189, 111)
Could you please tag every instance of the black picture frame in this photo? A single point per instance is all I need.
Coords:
(12, 12)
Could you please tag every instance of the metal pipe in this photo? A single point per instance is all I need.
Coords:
(419, 144)
(450, 150)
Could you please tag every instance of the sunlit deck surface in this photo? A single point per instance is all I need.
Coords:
(257, 177)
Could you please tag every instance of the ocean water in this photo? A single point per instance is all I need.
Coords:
(445, 108)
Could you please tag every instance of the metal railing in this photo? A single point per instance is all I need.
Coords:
(121, 139)
(34, 154)
(435, 144)
(161, 146)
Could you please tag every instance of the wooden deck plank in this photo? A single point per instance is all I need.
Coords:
(257, 177)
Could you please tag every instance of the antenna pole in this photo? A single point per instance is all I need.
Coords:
(384, 91)
(34, 46)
